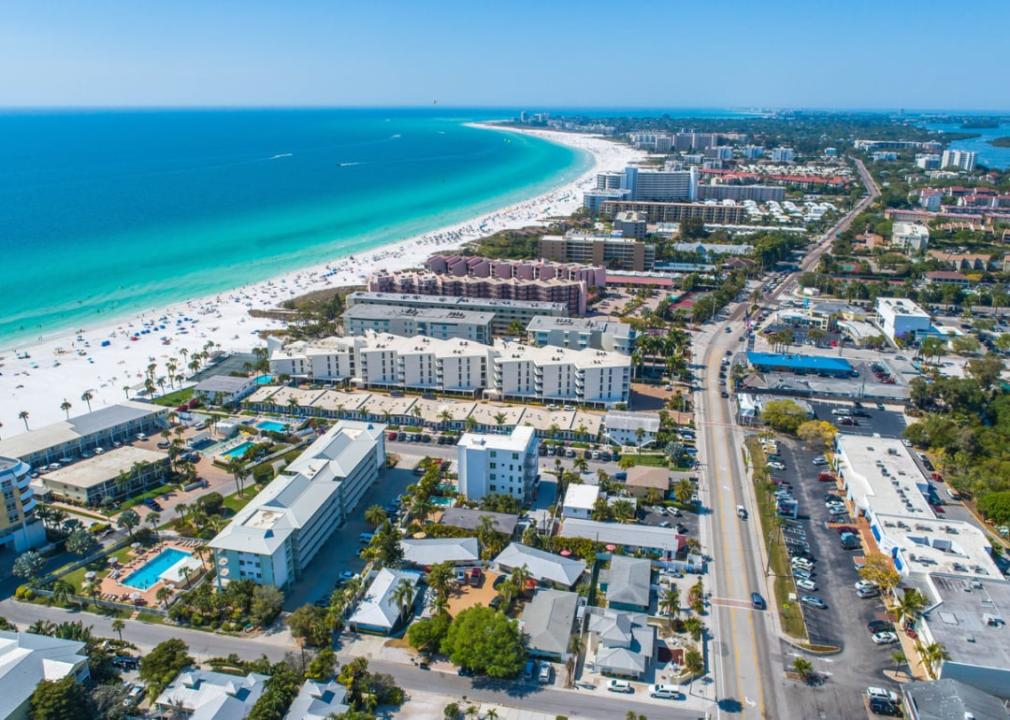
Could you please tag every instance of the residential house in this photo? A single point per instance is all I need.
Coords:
(378, 611)
(209, 695)
(318, 701)
(622, 644)
(547, 622)
(430, 551)
(547, 568)
(580, 499)
(26, 659)
(642, 478)
(628, 583)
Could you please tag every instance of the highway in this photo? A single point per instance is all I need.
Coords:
(748, 658)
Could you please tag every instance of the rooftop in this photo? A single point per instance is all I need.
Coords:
(469, 519)
(552, 355)
(516, 441)
(542, 564)
(377, 608)
(643, 476)
(625, 534)
(800, 362)
(429, 551)
(936, 545)
(102, 468)
(581, 497)
(629, 580)
(900, 306)
(27, 659)
(969, 617)
(376, 311)
(318, 701)
(223, 384)
(627, 420)
(883, 477)
(208, 695)
(461, 303)
(547, 323)
(948, 698)
(548, 618)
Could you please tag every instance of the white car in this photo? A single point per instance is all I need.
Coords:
(806, 584)
(865, 585)
(879, 693)
(776, 465)
(665, 692)
(884, 638)
(619, 686)
(820, 460)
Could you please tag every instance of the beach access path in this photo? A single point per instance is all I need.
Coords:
(38, 376)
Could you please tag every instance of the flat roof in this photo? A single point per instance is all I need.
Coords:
(581, 497)
(936, 545)
(516, 441)
(969, 618)
(648, 477)
(548, 619)
(547, 322)
(901, 306)
(102, 468)
(469, 519)
(882, 477)
(799, 362)
(639, 536)
(223, 384)
(377, 311)
(449, 301)
(627, 420)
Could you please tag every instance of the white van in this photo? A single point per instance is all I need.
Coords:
(665, 692)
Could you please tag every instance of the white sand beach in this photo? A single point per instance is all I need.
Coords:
(103, 360)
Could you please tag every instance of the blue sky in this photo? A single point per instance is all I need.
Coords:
(711, 53)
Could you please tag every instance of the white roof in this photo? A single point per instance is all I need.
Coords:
(517, 441)
(507, 351)
(208, 695)
(542, 565)
(318, 701)
(377, 608)
(581, 497)
(900, 306)
(27, 659)
(639, 536)
(937, 545)
(882, 476)
(102, 468)
(625, 420)
(429, 551)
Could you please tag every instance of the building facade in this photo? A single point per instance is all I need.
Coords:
(659, 212)
(501, 464)
(910, 236)
(901, 318)
(439, 323)
(622, 253)
(581, 333)
(112, 476)
(958, 160)
(739, 193)
(19, 527)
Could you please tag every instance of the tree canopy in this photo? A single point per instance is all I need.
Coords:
(783, 415)
(485, 641)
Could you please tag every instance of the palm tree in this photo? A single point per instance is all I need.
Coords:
(803, 667)
(910, 605)
(23, 415)
(163, 595)
(499, 418)
(624, 510)
(65, 407)
(445, 417)
(153, 519)
(669, 602)
(520, 576)
(237, 469)
(185, 573)
(375, 516)
(87, 396)
(931, 655)
(63, 592)
(899, 659)
(438, 579)
(117, 627)
(403, 597)
(126, 391)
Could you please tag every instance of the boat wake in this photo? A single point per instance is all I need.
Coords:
(282, 155)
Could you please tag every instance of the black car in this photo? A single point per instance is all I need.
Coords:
(883, 707)
(495, 603)
(876, 626)
(757, 601)
(498, 581)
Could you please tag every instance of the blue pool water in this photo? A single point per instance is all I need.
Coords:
(442, 501)
(264, 379)
(239, 450)
(148, 575)
(272, 426)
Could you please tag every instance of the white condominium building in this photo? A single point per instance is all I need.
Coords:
(958, 159)
(910, 236)
(899, 317)
(502, 464)
(504, 370)
(273, 538)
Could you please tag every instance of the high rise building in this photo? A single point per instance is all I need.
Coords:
(623, 253)
(498, 464)
(958, 159)
(783, 155)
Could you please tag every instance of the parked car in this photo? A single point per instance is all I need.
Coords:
(619, 686)
(665, 692)
(806, 584)
(876, 626)
(528, 669)
(867, 593)
(820, 460)
(546, 673)
(776, 465)
(814, 601)
(475, 576)
(884, 638)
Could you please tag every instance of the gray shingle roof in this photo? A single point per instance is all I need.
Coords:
(435, 550)
(946, 699)
(548, 619)
(542, 565)
(628, 580)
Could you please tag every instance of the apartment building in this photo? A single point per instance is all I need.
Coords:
(910, 236)
(631, 225)
(783, 155)
(272, 539)
(739, 193)
(573, 293)
(593, 377)
(507, 314)
(622, 253)
(440, 323)
(501, 464)
(581, 333)
(659, 212)
(634, 183)
(114, 475)
(19, 527)
(958, 160)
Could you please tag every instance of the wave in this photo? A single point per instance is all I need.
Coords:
(396, 136)
(348, 164)
(278, 156)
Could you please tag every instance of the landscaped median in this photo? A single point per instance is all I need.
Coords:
(790, 613)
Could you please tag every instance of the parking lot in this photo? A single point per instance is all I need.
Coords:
(843, 623)
(868, 419)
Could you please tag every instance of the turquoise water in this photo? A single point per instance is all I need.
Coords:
(264, 379)
(239, 450)
(107, 212)
(272, 426)
(988, 155)
(440, 501)
(149, 574)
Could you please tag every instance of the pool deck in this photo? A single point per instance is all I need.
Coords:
(112, 588)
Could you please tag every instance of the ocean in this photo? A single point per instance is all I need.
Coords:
(107, 212)
(989, 155)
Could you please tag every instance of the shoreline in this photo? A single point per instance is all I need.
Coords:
(38, 375)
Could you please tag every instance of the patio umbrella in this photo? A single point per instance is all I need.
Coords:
(611, 548)
(566, 552)
(90, 575)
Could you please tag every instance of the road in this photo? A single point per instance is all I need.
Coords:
(593, 704)
(749, 662)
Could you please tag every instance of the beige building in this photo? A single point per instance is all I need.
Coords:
(625, 253)
(117, 474)
(642, 479)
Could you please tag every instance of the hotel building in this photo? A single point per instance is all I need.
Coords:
(622, 253)
(506, 313)
(660, 212)
(739, 193)
(18, 526)
(440, 323)
(502, 464)
(273, 538)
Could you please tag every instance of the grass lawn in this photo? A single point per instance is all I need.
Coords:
(236, 501)
(647, 459)
(139, 499)
(76, 578)
(789, 612)
(174, 399)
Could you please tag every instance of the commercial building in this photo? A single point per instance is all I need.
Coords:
(611, 251)
(114, 475)
(910, 236)
(659, 541)
(224, 389)
(739, 193)
(18, 525)
(502, 464)
(572, 293)
(636, 429)
(713, 250)
(506, 314)
(924, 545)
(628, 583)
(580, 499)
(440, 323)
(546, 568)
(273, 538)
(547, 622)
(378, 611)
(815, 364)
(209, 695)
(901, 318)
(725, 213)
(581, 333)
(69, 439)
(958, 160)
(947, 699)
(631, 225)
(318, 701)
(622, 644)
(26, 660)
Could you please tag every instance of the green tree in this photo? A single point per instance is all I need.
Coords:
(817, 434)
(279, 692)
(426, 635)
(81, 542)
(783, 415)
(803, 667)
(28, 565)
(309, 625)
(322, 666)
(486, 642)
(694, 662)
(931, 656)
(128, 520)
(265, 605)
(117, 627)
(375, 516)
(683, 491)
(669, 602)
(160, 666)
(60, 700)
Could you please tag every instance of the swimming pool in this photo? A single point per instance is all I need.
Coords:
(440, 501)
(272, 426)
(148, 575)
(264, 379)
(239, 450)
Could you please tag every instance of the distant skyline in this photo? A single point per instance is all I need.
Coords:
(591, 54)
